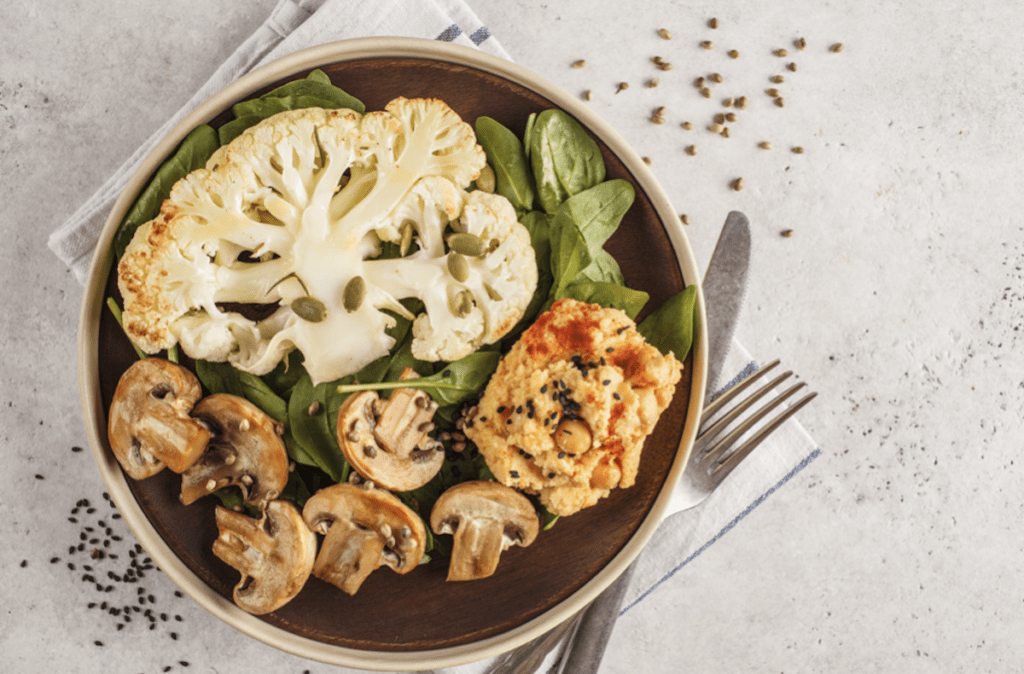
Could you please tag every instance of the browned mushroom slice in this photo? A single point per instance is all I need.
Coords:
(385, 439)
(274, 554)
(149, 425)
(486, 518)
(364, 528)
(245, 450)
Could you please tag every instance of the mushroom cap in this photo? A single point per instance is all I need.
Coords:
(364, 529)
(486, 518)
(149, 426)
(245, 449)
(274, 554)
(386, 466)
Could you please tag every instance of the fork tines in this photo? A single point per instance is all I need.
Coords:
(717, 450)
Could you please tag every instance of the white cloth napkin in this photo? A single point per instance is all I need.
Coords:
(297, 24)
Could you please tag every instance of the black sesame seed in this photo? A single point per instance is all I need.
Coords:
(54, 560)
(98, 642)
(561, 455)
(163, 617)
(554, 396)
(174, 635)
(24, 563)
(178, 618)
(76, 449)
(508, 421)
(152, 626)
(183, 663)
(609, 350)
(71, 566)
(39, 477)
(116, 516)
(90, 510)
(73, 520)
(178, 594)
(446, 374)
(551, 476)
(167, 668)
(152, 599)
(622, 329)
(500, 409)
(483, 419)
(547, 421)
(544, 388)
(120, 626)
(514, 474)
(519, 410)
(617, 396)
(103, 606)
(91, 604)
(606, 382)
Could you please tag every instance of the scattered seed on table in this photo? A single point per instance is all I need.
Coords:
(713, 24)
(705, 92)
(653, 82)
(647, 160)
(665, 33)
(725, 132)
(716, 78)
(720, 118)
(731, 117)
(791, 67)
(684, 218)
(699, 83)
(778, 79)
(836, 48)
(657, 119)
(780, 102)
(798, 150)
(691, 150)
(579, 64)
(786, 233)
(664, 65)
(728, 103)
(587, 95)
(764, 145)
(772, 92)
(24, 563)
(715, 128)
(707, 44)
(657, 60)
(801, 44)
(39, 477)
(733, 54)
(687, 125)
(622, 87)
(738, 184)
(781, 53)
(76, 449)
(741, 103)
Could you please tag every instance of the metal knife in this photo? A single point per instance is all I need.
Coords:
(724, 287)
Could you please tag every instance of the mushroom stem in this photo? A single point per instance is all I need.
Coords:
(480, 543)
(348, 555)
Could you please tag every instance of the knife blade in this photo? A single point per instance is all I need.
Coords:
(724, 286)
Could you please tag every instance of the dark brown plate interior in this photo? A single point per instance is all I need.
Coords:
(420, 611)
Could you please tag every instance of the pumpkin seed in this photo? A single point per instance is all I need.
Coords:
(485, 182)
(461, 304)
(406, 243)
(309, 309)
(492, 293)
(467, 244)
(354, 294)
(458, 267)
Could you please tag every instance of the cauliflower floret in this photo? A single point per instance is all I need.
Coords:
(291, 214)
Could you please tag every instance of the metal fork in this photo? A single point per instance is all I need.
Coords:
(715, 455)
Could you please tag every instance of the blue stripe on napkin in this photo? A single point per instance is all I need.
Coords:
(450, 33)
(481, 34)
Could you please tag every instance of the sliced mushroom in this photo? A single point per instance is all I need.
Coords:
(149, 425)
(245, 450)
(274, 554)
(486, 518)
(385, 439)
(364, 529)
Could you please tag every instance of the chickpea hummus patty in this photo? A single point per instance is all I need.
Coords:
(567, 412)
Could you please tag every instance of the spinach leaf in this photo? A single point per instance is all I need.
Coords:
(598, 210)
(192, 154)
(505, 154)
(313, 432)
(569, 255)
(674, 325)
(224, 378)
(630, 301)
(538, 224)
(453, 384)
(602, 269)
(287, 373)
(564, 158)
(229, 131)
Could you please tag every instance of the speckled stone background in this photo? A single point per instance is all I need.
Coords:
(898, 297)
